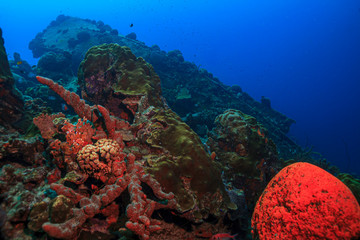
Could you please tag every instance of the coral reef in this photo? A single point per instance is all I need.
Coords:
(245, 153)
(20, 189)
(193, 93)
(305, 202)
(56, 65)
(138, 212)
(46, 125)
(175, 164)
(100, 160)
(27, 152)
(129, 165)
(159, 128)
(23, 73)
(109, 173)
(164, 147)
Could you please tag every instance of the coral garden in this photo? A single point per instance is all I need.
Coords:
(141, 144)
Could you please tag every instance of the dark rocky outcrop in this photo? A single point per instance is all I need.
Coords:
(11, 102)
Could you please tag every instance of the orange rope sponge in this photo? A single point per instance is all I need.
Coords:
(304, 201)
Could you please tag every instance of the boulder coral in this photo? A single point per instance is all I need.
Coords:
(304, 201)
(110, 74)
(184, 167)
(245, 153)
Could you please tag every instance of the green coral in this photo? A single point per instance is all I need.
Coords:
(117, 71)
(244, 152)
(186, 168)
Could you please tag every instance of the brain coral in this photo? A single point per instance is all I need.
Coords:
(305, 202)
(102, 160)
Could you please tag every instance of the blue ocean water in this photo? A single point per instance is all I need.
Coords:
(302, 55)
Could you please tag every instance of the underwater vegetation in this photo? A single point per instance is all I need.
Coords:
(141, 144)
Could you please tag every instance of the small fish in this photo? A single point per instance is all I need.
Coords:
(131, 25)
(213, 156)
(52, 98)
(19, 62)
(260, 133)
(64, 107)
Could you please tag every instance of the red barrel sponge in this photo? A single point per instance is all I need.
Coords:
(304, 201)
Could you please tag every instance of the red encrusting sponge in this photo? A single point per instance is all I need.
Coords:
(304, 201)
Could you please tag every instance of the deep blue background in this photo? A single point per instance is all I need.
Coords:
(303, 55)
